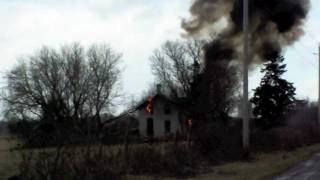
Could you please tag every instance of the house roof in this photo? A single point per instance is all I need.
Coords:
(157, 96)
(128, 113)
(122, 116)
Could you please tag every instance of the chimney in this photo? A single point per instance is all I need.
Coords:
(158, 88)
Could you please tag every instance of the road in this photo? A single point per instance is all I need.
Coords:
(308, 170)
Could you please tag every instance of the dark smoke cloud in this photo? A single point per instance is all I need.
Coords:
(274, 24)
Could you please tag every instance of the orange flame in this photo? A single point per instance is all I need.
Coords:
(149, 106)
(190, 122)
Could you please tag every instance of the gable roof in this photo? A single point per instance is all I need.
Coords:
(128, 113)
(155, 97)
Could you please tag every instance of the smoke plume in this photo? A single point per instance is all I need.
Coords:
(274, 25)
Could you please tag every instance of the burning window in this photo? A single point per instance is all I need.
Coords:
(189, 122)
(149, 107)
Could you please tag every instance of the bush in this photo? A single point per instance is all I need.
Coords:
(22, 129)
(301, 129)
(93, 162)
(170, 160)
(219, 141)
(278, 139)
(70, 163)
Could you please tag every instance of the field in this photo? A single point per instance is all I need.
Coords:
(263, 166)
(8, 159)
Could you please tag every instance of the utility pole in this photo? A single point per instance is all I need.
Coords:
(246, 56)
(319, 88)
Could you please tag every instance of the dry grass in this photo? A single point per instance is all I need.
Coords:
(263, 167)
(9, 159)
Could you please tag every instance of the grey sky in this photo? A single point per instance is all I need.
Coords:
(132, 27)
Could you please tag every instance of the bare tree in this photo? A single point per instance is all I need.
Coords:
(216, 91)
(104, 79)
(66, 87)
(196, 74)
(175, 65)
(185, 69)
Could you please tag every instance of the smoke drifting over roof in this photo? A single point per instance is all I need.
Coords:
(274, 24)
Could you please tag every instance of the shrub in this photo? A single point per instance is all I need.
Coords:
(22, 129)
(69, 163)
(219, 141)
(301, 128)
(102, 162)
(283, 138)
(170, 160)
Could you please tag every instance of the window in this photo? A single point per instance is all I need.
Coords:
(167, 109)
(150, 127)
(167, 126)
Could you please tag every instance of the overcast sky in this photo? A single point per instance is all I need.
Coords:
(134, 28)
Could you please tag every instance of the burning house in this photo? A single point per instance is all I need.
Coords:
(159, 117)
(274, 25)
(156, 117)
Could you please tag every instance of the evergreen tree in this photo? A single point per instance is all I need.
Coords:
(274, 98)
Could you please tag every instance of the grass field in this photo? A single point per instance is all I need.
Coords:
(8, 159)
(263, 167)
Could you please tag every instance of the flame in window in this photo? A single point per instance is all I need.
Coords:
(149, 107)
(190, 122)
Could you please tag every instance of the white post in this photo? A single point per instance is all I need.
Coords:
(246, 56)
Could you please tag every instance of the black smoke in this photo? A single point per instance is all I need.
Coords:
(274, 25)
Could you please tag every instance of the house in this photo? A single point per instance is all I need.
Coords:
(156, 117)
(159, 117)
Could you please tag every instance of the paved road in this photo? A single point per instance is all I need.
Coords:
(308, 170)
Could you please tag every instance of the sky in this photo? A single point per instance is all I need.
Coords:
(134, 28)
